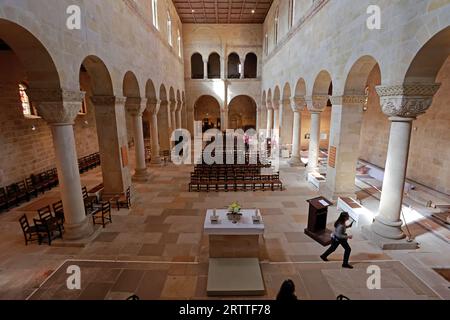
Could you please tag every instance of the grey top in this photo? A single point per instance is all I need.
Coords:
(340, 233)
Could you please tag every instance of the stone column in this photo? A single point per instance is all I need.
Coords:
(276, 115)
(59, 109)
(315, 104)
(345, 134)
(222, 68)
(242, 68)
(113, 143)
(224, 119)
(136, 107)
(297, 105)
(154, 108)
(269, 121)
(205, 69)
(178, 115)
(402, 104)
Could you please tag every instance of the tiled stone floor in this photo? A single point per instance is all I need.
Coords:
(161, 237)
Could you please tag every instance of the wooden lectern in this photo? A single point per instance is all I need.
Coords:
(317, 220)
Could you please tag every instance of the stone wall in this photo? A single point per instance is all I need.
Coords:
(26, 143)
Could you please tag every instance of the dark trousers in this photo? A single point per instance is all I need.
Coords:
(335, 244)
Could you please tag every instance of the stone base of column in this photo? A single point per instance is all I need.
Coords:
(400, 242)
(140, 175)
(310, 170)
(295, 162)
(78, 231)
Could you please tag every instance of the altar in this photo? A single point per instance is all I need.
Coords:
(234, 240)
(234, 268)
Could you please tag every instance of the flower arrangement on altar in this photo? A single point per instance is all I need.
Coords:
(234, 208)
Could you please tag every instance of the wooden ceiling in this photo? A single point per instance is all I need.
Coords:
(222, 11)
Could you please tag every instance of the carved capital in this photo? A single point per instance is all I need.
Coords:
(406, 101)
(153, 106)
(356, 100)
(316, 103)
(57, 107)
(276, 104)
(298, 103)
(108, 100)
(136, 106)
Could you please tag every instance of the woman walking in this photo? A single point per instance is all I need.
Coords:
(340, 237)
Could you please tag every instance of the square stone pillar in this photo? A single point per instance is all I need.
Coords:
(113, 143)
(345, 133)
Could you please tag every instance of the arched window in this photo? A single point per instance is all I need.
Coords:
(291, 13)
(197, 70)
(179, 42)
(275, 27)
(155, 13)
(214, 66)
(27, 108)
(250, 66)
(234, 66)
(169, 28)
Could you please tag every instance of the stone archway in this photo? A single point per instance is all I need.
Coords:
(242, 113)
(207, 111)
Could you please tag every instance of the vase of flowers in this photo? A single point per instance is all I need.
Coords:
(234, 212)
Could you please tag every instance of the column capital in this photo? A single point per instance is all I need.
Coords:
(136, 106)
(356, 100)
(179, 105)
(276, 104)
(173, 105)
(408, 100)
(56, 106)
(153, 106)
(108, 100)
(316, 103)
(298, 103)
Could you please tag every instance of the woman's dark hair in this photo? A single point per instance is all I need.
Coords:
(342, 218)
(287, 291)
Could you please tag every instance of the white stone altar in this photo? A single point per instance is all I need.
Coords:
(234, 240)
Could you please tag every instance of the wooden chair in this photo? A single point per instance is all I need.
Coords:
(48, 230)
(38, 185)
(88, 201)
(58, 210)
(45, 180)
(124, 200)
(32, 190)
(22, 191)
(102, 213)
(4, 203)
(29, 232)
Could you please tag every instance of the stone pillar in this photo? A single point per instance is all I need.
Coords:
(297, 105)
(205, 69)
(345, 134)
(184, 118)
(242, 68)
(113, 143)
(276, 115)
(154, 108)
(269, 121)
(178, 115)
(402, 104)
(222, 68)
(315, 104)
(59, 109)
(136, 107)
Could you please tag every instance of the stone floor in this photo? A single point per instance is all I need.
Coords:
(161, 239)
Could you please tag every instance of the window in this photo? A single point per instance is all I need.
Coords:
(169, 28)
(291, 13)
(28, 109)
(155, 13)
(276, 26)
(179, 42)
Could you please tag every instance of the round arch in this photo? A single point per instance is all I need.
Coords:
(234, 66)
(197, 68)
(242, 113)
(251, 66)
(207, 111)
(99, 75)
(130, 85)
(150, 91)
(214, 66)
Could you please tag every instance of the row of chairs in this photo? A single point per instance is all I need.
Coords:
(233, 166)
(22, 191)
(241, 182)
(89, 162)
(231, 171)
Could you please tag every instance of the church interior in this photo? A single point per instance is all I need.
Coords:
(308, 109)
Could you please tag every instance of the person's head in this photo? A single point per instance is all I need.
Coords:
(343, 217)
(287, 290)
